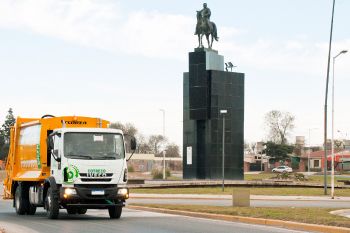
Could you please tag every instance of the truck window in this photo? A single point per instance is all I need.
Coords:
(30, 135)
(95, 146)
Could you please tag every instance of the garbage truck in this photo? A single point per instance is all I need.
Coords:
(70, 162)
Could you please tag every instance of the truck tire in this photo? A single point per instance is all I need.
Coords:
(115, 212)
(21, 203)
(71, 210)
(31, 209)
(82, 211)
(51, 204)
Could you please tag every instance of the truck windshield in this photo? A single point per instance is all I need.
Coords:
(96, 146)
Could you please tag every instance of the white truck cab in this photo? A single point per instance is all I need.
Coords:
(88, 166)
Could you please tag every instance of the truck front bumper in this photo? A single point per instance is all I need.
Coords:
(93, 195)
(95, 206)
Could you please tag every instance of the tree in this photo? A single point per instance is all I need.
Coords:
(3, 147)
(280, 124)
(172, 151)
(155, 142)
(5, 134)
(338, 144)
(278, 151)
(127, 128)
(142, 145)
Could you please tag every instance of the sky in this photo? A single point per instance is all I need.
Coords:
(124, 60)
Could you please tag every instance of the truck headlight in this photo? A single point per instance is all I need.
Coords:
(70, 191)
(123, 192)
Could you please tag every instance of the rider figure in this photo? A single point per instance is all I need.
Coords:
(206, 13)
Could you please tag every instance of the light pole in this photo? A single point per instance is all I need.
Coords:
(308, 155)
(223, 112)
(162, 110)
(332, 164)
(325, 104)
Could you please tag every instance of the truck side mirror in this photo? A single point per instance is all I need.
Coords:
(55, 155)
(133, 143)
(50, 143)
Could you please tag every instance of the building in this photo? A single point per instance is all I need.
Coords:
(341, 158)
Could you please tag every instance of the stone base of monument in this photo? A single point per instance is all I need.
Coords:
(241, 198)
(207, 89)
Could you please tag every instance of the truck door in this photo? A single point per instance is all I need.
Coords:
(56, 157)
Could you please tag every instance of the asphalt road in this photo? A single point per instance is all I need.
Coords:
(131, 221)
(255, 203)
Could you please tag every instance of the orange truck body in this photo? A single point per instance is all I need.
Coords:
(28, 155)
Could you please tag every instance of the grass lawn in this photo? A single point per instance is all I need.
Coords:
(304, 215)
(284, 191)
(317, 179)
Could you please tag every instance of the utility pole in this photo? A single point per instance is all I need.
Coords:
(325, 104)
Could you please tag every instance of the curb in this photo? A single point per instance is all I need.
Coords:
(249, 220)
(230, 198)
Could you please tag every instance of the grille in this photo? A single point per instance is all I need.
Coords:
(90, 186)
(96, 179)
(86, 175)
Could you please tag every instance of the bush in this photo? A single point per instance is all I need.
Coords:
(299, 177)
(283, 176)
(158, 174)
(167, 172)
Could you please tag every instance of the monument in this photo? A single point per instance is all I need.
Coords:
(208, 89)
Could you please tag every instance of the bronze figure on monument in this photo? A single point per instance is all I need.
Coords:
(205, 27)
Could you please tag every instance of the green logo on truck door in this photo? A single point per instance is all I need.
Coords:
(70, 174)
(38, 155)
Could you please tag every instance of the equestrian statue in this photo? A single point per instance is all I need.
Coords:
(205, 27)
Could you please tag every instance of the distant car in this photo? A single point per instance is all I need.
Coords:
(282, 169)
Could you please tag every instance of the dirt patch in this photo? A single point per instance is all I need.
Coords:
(2, 177)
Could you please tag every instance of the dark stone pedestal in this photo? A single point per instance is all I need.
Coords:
(207, 89)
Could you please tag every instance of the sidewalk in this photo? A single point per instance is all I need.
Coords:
(229, 197)
(344, 213)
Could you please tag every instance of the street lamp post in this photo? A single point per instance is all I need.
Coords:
(325, 104)
(162, 110)
(332, 163)
(223, 112)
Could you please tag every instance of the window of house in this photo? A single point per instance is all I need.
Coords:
(316, 163)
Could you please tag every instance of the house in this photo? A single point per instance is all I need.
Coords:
(252, 162)
(341, 161)
(316, 160)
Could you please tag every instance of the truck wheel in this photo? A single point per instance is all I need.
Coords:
(21, 203)
(31, 209)
(51, 204)
(82, 211)
(71, 210)
(115, 212)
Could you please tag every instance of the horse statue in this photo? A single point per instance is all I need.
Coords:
(205, 27)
